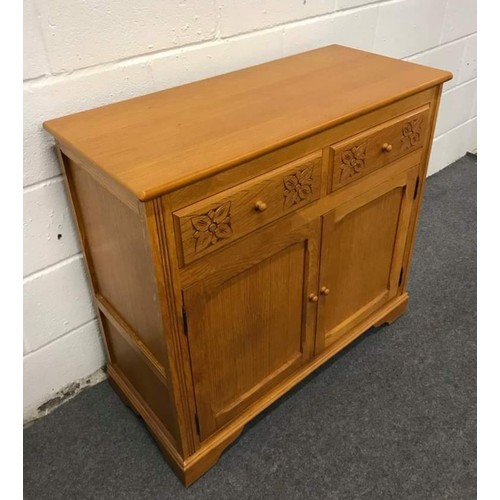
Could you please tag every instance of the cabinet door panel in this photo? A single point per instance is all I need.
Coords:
(361, 255)
(249, 329)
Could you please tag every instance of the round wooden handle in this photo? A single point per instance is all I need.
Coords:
(260, 206)
(324, 290)
(387, 147)
(313, 297)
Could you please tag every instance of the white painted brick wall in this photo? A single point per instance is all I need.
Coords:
(35, 61)
(74, 356)
(86, 53)
(56, 300)
(248, 15)
(48, 226)
(333, 28)
(90, 32)
(409, 26)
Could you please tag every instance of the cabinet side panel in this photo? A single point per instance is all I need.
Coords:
(422, 180)
(117, 245)
(149, 384)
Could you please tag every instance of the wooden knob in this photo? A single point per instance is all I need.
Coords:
(260, 206)
(387, 147)
(313, 297)
(324, 290)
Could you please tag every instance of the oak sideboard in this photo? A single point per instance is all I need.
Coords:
(240, 230)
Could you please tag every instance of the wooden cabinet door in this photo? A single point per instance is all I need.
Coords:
(249, 321)
(362, 251)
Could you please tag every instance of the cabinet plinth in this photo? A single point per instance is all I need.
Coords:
(240, 231)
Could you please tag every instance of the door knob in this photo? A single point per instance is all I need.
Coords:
(260, 206)
(313, 297)
(324, 290)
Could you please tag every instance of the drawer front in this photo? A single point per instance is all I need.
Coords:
(214, 222)
(367, 151)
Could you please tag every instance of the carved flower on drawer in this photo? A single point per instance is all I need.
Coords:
(298, 186)
(353, 161)
(212, 227)
(410, 135)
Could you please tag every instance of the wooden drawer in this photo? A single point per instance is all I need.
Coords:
(213, 222)
(359, 155)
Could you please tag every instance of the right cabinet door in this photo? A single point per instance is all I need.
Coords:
(363, 243)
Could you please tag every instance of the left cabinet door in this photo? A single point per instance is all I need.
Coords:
(249, 319)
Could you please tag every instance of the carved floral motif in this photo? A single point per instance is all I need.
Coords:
(410, 134)
(212, 227)
(298, 186)
(353, 161)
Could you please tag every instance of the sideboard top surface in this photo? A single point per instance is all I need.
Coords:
(161, 141)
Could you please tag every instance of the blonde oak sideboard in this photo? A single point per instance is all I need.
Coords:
(241, 230)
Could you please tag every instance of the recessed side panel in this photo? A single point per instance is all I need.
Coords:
(151, 386)
(122, 267)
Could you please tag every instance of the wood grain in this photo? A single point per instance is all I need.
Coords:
(154, 391)
(248, 327)
(64, 163)
(120, 325)
(192, 193)
(160, 231)
(210, 450)
(365, 152)
(135, 400)
(422, 181)
(362, 255)
(121, 258)
(146, 143)
(212, 223)
(240, 231)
